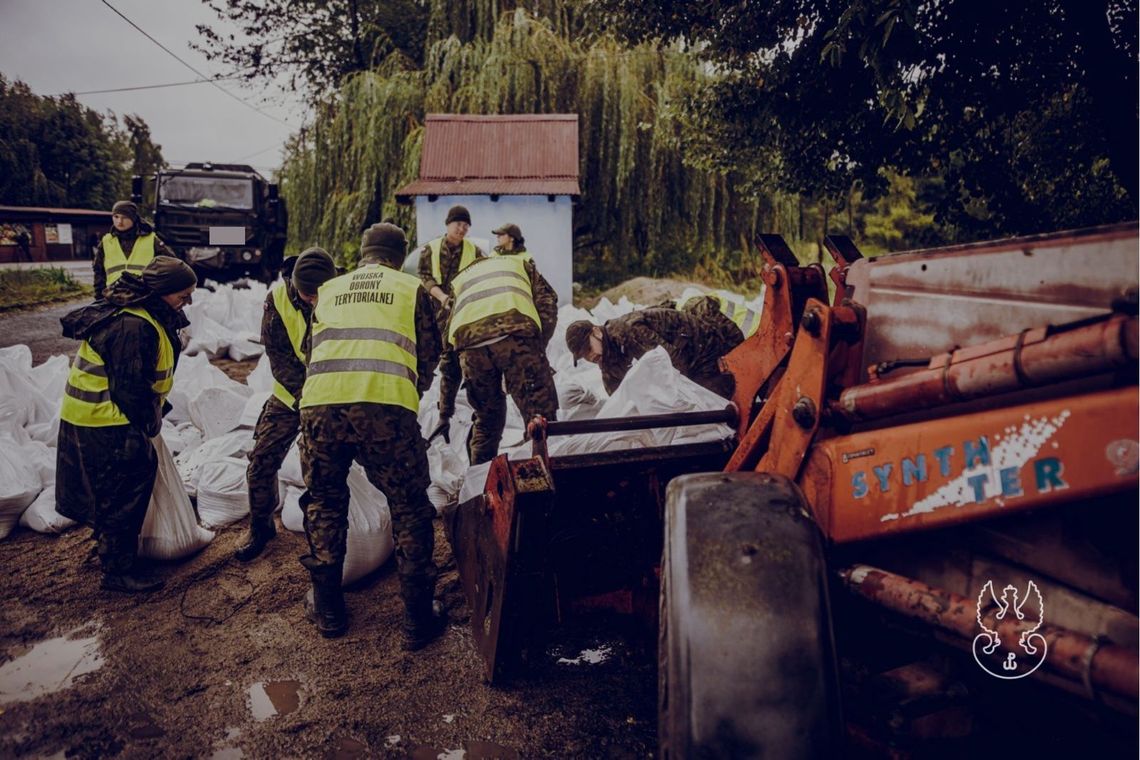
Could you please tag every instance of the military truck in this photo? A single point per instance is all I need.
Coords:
(225, 220)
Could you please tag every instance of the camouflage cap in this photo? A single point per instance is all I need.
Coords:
(578, 338)
(166, 274)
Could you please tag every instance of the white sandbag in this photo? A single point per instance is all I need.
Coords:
(189, 463)
(41, 458)
(183, 437)
(193, 374)
(170, 529)
(252, 409)
(290, 471)
(241, 349)
(217, 410)
(652, 386)
(20, 484)
(17, 357)
(291, 515)
(223, 496)
(49, 378)
(41, 515)
(369, 543)
(261, 378)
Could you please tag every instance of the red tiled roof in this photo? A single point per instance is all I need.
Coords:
(516, 154)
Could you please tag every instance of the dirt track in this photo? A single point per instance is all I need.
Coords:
(180, 669)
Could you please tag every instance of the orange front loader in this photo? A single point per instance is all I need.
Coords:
(944, 451)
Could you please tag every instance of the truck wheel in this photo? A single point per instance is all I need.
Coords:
(746, 657)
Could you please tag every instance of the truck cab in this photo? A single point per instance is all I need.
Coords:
(225, 220)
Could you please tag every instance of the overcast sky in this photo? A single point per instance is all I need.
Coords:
(58, 46)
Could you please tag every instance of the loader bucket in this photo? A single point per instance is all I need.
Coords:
(551, 537)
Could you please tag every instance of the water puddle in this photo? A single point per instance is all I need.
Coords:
(588, 656)
(50, 665)
(269, 698)
(227, 752)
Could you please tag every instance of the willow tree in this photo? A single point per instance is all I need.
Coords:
(644, 208)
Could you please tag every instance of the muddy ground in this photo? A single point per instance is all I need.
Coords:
(222, 662)
(183, 672)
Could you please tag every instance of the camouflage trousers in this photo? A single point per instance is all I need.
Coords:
(522, 364)
(386, 440)
(450, 378)
(104, 479)
(277, 428)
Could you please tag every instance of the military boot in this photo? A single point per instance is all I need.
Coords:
(424, 621)
(117, 556)
(260, 534)
(324, 603)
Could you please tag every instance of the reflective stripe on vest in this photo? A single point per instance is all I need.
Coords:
(496, 285)
(87, 396)
(115, 262)
(364, 340)
(295, 326)
(466, 257)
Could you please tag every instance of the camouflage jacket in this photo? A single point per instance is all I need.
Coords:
(512, 322)
(127, 241)
(128, 346)
(693, 345)
(448, 264)
(286, 367)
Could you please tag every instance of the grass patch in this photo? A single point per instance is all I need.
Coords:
(21, 288)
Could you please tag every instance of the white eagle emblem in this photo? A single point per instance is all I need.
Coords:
(1029, 613)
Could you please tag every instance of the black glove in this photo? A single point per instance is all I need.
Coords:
(444, 429)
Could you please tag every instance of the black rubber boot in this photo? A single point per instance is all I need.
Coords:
(423, 623)
(117, 557)
(324, 604)
(260, 534)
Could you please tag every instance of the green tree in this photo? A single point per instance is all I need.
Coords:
(54, 151)
(1012, 104)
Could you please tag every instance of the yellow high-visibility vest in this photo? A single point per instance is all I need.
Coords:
(364, 340)
(115, 262)
(495, 285)
(746, 319)
(295, 326)
(523, 255)
(87, 396)
(466, 257)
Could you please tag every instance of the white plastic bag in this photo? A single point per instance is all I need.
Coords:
(291, 515)
(223, 496)
(190, 463)
(369, 542)
(170, 530)
(41, 515)
(20, 484)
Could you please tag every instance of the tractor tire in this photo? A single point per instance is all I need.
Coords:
(747, 662)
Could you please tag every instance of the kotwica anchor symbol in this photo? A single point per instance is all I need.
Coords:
(1010, 662)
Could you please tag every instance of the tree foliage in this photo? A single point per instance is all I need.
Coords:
(1026, 109)
(56, 152)
(644, 210)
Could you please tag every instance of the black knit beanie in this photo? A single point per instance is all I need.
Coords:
(313, 269)
(458, 214)
(386, 242)
(166, 274)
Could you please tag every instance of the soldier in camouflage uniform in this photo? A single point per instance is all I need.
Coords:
(693, 345)
(129, 246)
(374, 349)
(504, 315)
(285, 335)
(440, 260)
(113, 405)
